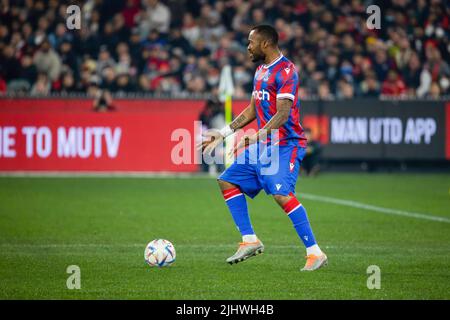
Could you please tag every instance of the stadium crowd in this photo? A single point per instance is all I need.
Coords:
(178, 47)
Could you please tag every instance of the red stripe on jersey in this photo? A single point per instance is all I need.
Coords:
(293, 157)
(258, 105)
(295, 114)
(283, 133)
(273, 106)
(262, 120)
(291, 204)
(227, 194)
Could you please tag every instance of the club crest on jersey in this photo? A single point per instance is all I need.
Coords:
(261, 95)
(262, 75)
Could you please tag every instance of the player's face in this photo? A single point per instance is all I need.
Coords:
(255, 47)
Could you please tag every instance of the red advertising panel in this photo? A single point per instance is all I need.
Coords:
(65, 135)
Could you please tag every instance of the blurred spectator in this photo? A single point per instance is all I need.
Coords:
(68, 83)
(435, 91)
(335, 53)
(42, 86)
(104, 60)
(212, 117)
(178, 41)
(190, 30)
(311, 161)
(393, 85)
(437, 67)
(108, 78)
(370, 87)
(27, 71)
(331, 70)
(324, 92)
(47, 61)
(404, 53)
(411, 73)
(130, 13)
(381, 64)
(68, 57)
(345, 90)
(10, 65)
(200, 49)
(155, 15)
(102, 98)
(123, 84)
(60, 35)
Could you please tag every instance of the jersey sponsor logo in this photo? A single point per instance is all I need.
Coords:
(261, 94)
(287, 70)
(278, 186)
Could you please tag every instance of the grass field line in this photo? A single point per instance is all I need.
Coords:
(192, 246)
(360, 205)
(130, 245)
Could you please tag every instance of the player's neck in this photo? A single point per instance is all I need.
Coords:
(271, 57)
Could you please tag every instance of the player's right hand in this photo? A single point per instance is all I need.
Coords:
(211, 139)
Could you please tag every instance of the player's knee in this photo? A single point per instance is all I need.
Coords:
(224, 185)
(281, 200)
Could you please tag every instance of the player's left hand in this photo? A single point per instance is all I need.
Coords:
(245, 141)
(212, 139)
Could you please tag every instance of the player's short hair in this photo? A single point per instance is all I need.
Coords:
(267, 33)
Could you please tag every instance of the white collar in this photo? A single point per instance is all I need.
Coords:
(273, 62)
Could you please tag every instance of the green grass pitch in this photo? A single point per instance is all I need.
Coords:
(103, 224)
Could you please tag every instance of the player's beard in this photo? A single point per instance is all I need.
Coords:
(257, 56)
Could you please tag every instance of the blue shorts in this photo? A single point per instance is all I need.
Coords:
(260, 167)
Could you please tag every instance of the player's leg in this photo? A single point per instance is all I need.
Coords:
(239, 179)
(236, 202)
(299, 218)
(237, 205)
(281, 185)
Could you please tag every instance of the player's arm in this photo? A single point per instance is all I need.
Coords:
(278, 120)
(214, 137)
(245, 117)
(281, 116)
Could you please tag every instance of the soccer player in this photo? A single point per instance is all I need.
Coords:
(275, 106)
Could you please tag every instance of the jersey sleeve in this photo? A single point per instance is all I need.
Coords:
(287, 83)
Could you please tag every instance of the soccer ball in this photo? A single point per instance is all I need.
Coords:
(159, 253)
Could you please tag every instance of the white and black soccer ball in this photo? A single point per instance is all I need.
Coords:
(159, 253)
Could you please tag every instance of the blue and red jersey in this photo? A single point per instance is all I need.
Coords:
(279, 80)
